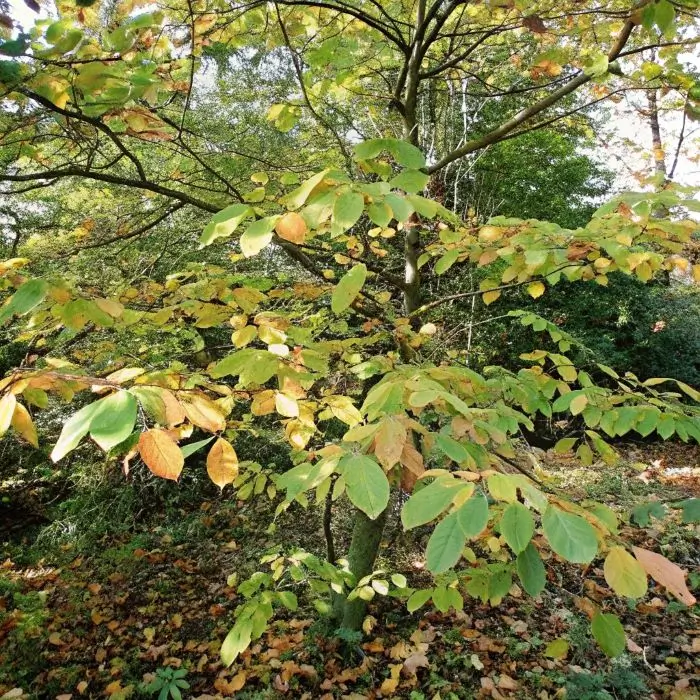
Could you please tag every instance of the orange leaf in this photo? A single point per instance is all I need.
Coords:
(222, 463)
(665, 572)
(291, 227)
(160, 454)
(412, 460)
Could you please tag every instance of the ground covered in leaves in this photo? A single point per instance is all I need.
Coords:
(107, 617)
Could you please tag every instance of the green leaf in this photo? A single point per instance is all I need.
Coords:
(642, 513)
(29, 295)
(224, 223)
(74, 430)
(474, 515)
(366, 484)
(288, 599)
(113, 420)
(237, 640)
(531, 570)
(596, 65)
(428, 503)
(400, 206)
(380, 213)
(690, 509)
(664, 15)
(569, 535)
(451, 448)
(406, 154)
(348, 209)
(517, 527)
(253, 366)
(370, 148)
(446, 261)
(348, 288)
(424, 206)
(297, 198)
(190, 449)
(557, 649)
(399, 580)
(608, 632)
(445, 544)
(257, 236)
(418, 599)
(411, 181)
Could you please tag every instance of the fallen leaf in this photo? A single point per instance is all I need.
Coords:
(415, 661)
(389, 685)
(55, 639)
(665, 572)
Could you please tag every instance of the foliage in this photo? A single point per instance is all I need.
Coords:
(330, 343)
(168, 683)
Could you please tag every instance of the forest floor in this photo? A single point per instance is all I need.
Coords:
(98, 618)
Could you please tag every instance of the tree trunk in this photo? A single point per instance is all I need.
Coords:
(364, 547)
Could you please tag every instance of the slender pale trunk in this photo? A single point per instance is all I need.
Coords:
(364, 547)
(367, 534)
(656, 141)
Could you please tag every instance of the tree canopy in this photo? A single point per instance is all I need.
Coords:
(223, 216)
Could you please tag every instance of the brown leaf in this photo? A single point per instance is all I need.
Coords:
(291, 227)
(160, 454)
(222, 463)
(412, 460)
(665, 572)
(415, 661)
(534, 24)
(633, 646)
(507, 683)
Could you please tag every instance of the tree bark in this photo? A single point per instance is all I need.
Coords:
(364, 547)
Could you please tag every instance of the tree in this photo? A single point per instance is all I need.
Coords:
(365, 412)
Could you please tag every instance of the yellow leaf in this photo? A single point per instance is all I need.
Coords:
(286, 406)
(490, 297)
(113, 308)
(160, 454)
(23, 424)
(203, 413)
(222, 463)
(489, 234)
(243, 336)
(389, 441)
(624, 574)
(390, 684)
(7, 410)
(535, 289)
(578, 404)
(264, 403)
